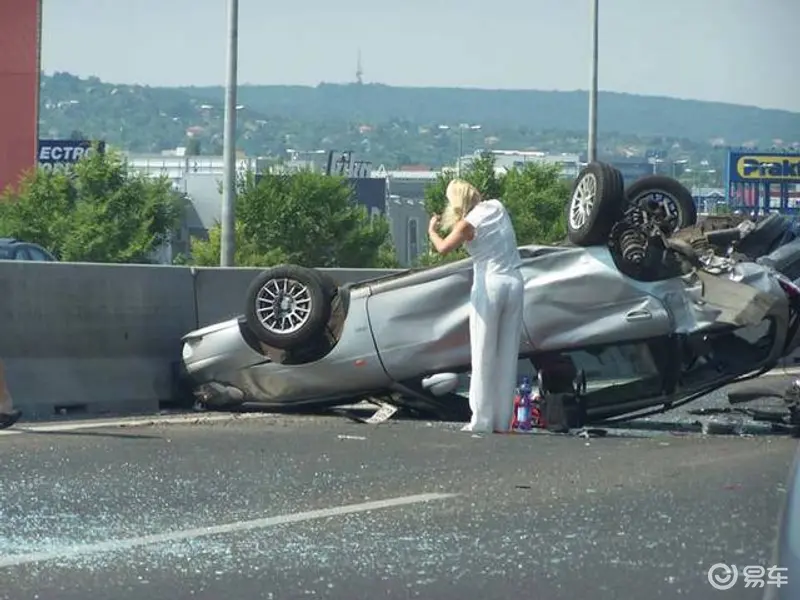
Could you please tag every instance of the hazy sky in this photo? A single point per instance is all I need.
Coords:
(740, 51)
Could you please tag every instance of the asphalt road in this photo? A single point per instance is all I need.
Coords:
(124, 513)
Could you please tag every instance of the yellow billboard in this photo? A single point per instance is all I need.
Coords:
(767, 168)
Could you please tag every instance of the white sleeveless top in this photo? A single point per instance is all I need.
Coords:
(494, 247)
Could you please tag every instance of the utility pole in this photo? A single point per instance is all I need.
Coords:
(228, 225)
(460, 149)
(592, 154)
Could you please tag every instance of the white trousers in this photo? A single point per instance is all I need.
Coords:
(495, 328)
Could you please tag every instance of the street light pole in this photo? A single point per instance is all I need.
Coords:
(592, 154)
(228, 225)
(461, 128)
(460, 149)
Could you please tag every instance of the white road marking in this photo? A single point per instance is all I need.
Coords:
(193, 418)
(143, 421)
(237, 526)
(782, 372)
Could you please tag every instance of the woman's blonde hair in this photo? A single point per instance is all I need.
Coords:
(462, 197)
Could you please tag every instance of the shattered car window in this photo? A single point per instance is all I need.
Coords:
(6, 253)
(616, 363)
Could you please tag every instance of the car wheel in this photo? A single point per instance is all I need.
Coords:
(287, 306)
(595, 204)
(330, 286)
(663, 200)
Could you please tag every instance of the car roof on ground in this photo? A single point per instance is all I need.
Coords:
(8, 240)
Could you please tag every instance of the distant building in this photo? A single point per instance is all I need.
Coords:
(313, 160)
(505, 160)
(407, 184)
(406, 210)
(176, 165)
(632, 168)
(200, 179)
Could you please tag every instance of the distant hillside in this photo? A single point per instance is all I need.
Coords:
(536, 110)
(397, 126)
(137, 118)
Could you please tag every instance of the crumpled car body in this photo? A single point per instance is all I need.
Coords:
(636, 345)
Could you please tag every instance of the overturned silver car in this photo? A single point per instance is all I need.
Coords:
(641, 310)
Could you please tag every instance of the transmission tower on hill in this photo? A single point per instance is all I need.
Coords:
(359, 70)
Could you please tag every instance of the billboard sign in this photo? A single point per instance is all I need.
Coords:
(62, 153)
(345, 166)
(763, 167)
(370, 193)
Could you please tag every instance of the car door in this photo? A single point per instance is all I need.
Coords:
(576, 297)
(420, 321)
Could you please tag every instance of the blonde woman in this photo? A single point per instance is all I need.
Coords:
(8, 416)
(495, 318)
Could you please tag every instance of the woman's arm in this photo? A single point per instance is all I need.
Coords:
(462, 232)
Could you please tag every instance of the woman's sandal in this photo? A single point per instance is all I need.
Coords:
(9, 419)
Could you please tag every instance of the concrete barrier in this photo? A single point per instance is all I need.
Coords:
(220, 292)
(92, 338)
(105, 339)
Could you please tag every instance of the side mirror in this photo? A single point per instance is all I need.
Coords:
(440, 384)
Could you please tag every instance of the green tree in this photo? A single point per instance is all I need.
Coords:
(481, 173)
(206, 252)
(535, 196)
(302, 218)
(96, 211)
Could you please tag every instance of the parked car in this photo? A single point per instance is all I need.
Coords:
(626, 316)
(13, 249)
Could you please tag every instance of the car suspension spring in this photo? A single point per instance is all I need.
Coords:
(633, 245)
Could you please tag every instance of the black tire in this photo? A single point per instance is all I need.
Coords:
(329, 284)
(309, 287)
(592, 227)
(667, 193)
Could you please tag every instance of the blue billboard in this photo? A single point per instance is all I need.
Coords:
(763, 181)
(61, 153)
